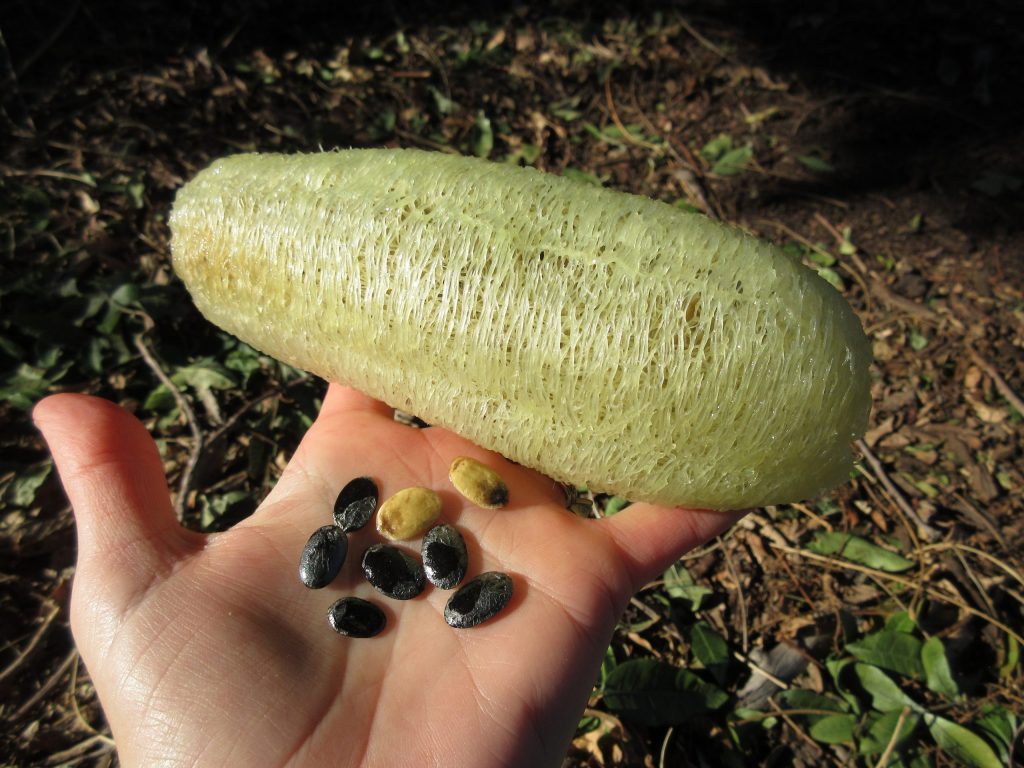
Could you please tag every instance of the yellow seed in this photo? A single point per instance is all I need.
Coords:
(481, 485)
(408, 514)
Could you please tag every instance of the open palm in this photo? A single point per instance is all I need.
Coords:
(207, 650)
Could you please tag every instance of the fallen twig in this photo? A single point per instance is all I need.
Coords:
(185, 484)
(31, 645)
(884, 759)
(877, 574)
(1000, 383)
(44, 689)
(82, 750)
(930, 534)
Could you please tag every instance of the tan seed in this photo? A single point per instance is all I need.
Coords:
(478, 483)
(408, 514)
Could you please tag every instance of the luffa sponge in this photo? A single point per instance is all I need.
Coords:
(602, 338)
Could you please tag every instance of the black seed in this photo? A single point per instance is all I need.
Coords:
(323, 556)
(354, 617)
(356, 504)
(393, 572)
(444, 557)
(478, 600)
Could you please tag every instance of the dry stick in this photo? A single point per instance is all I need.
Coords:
(755, 667)
(759, 716)
(81, 751)
(185, 485)
(893, 739)
(815, 517)
(1000, 383)
(46, 686)
(796, 728)
(868, 300)
(249, 405)
(72, 685)
(701, 39)
(664, 746)
(20, 659)
(1009, 570)
(894, 492)
(618, 123)
(739, 596)
(933, 593)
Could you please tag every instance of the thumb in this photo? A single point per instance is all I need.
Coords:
(128, 535)
(651, 538)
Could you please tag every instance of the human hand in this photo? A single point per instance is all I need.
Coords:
(206, 650)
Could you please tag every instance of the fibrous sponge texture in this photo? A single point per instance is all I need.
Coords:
(603, 338)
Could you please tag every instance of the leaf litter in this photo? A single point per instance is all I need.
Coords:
(828, 632)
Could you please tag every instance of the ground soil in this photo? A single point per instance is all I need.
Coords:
(884, 144)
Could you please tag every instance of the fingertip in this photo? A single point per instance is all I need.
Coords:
(651, 537)
(113, 476)
(341, 399)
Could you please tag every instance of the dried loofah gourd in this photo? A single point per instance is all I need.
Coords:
(603, 338)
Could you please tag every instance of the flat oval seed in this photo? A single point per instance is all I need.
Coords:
(354, 617)
(392, 572)
(356, 504)
(444, 557)
(322, 557)
(408, 513)
(478, 483)
(478, 600)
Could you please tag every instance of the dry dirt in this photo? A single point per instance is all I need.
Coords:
(884, 143)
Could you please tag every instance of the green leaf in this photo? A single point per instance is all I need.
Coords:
(961, 743)
(27, 384)
(900, 622)
(918, 341)
(614, 505)
(831, 277)
(826, 728)
(654, 693)
(833, 729)
(679, 584)
(801, 698)
(22, 490)
(886, 696)
(896, 651)
(442, 104)
(821, 257)
(995, 184)
(937, 674)
(608, 664)
(858, 550)
(578, 175)
(220, 511)
(717, 147)
(203, 375)
(875, 739)
(734, 161)
(587, 724)
(710, 649)
(999, 724)
(483, 141)
(816, 164)
(1012, 658)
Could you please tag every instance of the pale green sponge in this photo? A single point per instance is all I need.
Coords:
(602, 338)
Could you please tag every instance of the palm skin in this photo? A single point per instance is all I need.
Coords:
(208, 651)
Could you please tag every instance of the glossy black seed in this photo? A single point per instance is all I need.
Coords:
(393, 572)
(323, 556)
(444, 557)
(478, 600)
(356, 504)
(354, 617)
